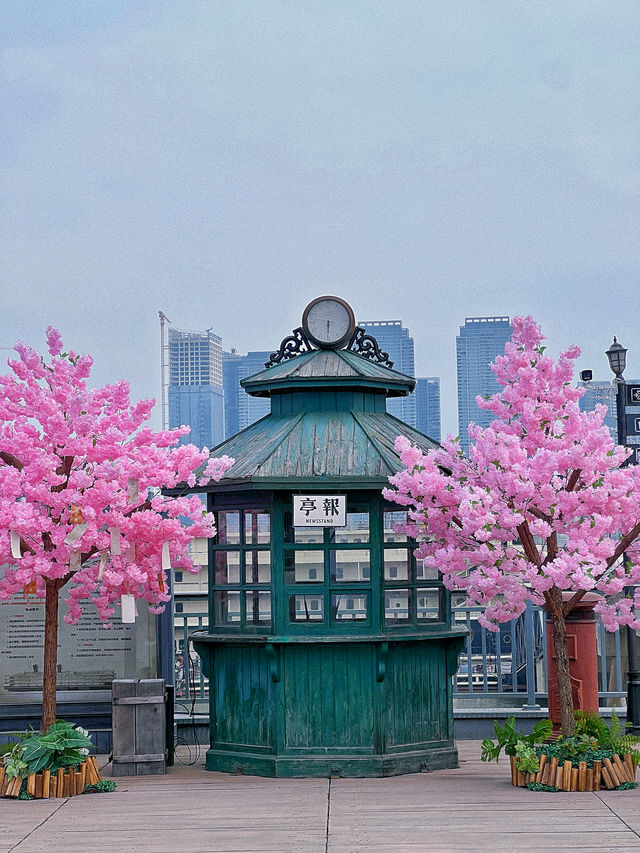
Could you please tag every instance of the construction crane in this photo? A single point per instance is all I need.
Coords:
(163, 366)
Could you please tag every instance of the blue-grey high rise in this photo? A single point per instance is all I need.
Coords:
(394, 339)
(241, 410)
(195, 386)
(427, 396)
(480, 340)
(604, 393)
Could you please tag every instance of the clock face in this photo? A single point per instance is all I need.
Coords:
(328, 321)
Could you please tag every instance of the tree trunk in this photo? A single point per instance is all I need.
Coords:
(562, 663)
(50, 669)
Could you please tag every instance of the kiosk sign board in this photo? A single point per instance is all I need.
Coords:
(319, 510)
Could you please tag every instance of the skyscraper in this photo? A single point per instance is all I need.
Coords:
(195, 386)
(427, 395)
(480, 340)
(240, 409)
(396, 340)
(604, 393)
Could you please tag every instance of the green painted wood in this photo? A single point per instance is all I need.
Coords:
(321, 369)
(328, 698)
(327, 714)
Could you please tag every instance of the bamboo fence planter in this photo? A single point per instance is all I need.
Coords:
(65, 782)
(607, 774)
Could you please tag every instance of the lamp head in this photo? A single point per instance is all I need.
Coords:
(617, 356)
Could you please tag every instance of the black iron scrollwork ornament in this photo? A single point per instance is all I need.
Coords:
(295, 344)
(367, 346)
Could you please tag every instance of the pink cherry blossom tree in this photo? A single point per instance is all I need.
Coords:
(80, 500)
(542, 509)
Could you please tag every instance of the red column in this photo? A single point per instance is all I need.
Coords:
(583, 661)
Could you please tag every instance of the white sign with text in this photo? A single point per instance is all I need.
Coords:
(319, 510)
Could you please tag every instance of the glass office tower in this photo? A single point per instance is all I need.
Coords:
(394, 339)
(195, 386)
(480, 340)
(427, 396)
(240, 409)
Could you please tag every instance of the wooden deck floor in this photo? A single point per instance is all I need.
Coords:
(473, 808)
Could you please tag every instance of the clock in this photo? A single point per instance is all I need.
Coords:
(328, 322)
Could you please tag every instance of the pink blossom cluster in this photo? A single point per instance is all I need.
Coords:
(80, 486)
(541, 501)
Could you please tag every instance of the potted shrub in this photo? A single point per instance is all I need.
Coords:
(55, 764)
(596, 756)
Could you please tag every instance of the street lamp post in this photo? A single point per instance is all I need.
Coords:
(617, 356)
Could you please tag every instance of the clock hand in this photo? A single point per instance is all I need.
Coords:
(328, 326)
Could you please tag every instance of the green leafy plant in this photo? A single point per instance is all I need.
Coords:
(64, 745)
(527, 760)
(612, 737)
(6, 748)
(104, 786)
(508, 738)
(14, 763)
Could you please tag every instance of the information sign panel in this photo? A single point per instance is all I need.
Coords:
(89, 656)
(632, 423)
(633, 395)
(319, 510)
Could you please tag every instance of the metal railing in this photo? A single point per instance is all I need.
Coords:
(506, 665)
(511, 663)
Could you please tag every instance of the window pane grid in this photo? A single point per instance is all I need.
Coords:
(413, 592)
(241, 571)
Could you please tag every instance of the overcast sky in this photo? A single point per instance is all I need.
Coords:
(226, 162)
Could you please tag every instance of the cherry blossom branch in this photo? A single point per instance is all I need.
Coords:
(10, 459)
(530, 549)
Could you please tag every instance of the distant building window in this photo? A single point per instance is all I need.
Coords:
(313, 574)
(179, 607)
(178, 578)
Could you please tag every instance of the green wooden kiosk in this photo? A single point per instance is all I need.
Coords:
(330, 649)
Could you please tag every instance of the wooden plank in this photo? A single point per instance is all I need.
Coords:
(566, 776)
(38, 788)
(46, 784)
(139, 700)
(60, 783)
(597, 773)
(150, 728)
(575, 775)
(137, 757)
(589, 779)
(582, 780)
(124, 727)
(621, 769)
(92, 764)
(631, 767)
(606, 778)
(543, 761)
(559, 778)
(31, 784)
(612, 772)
